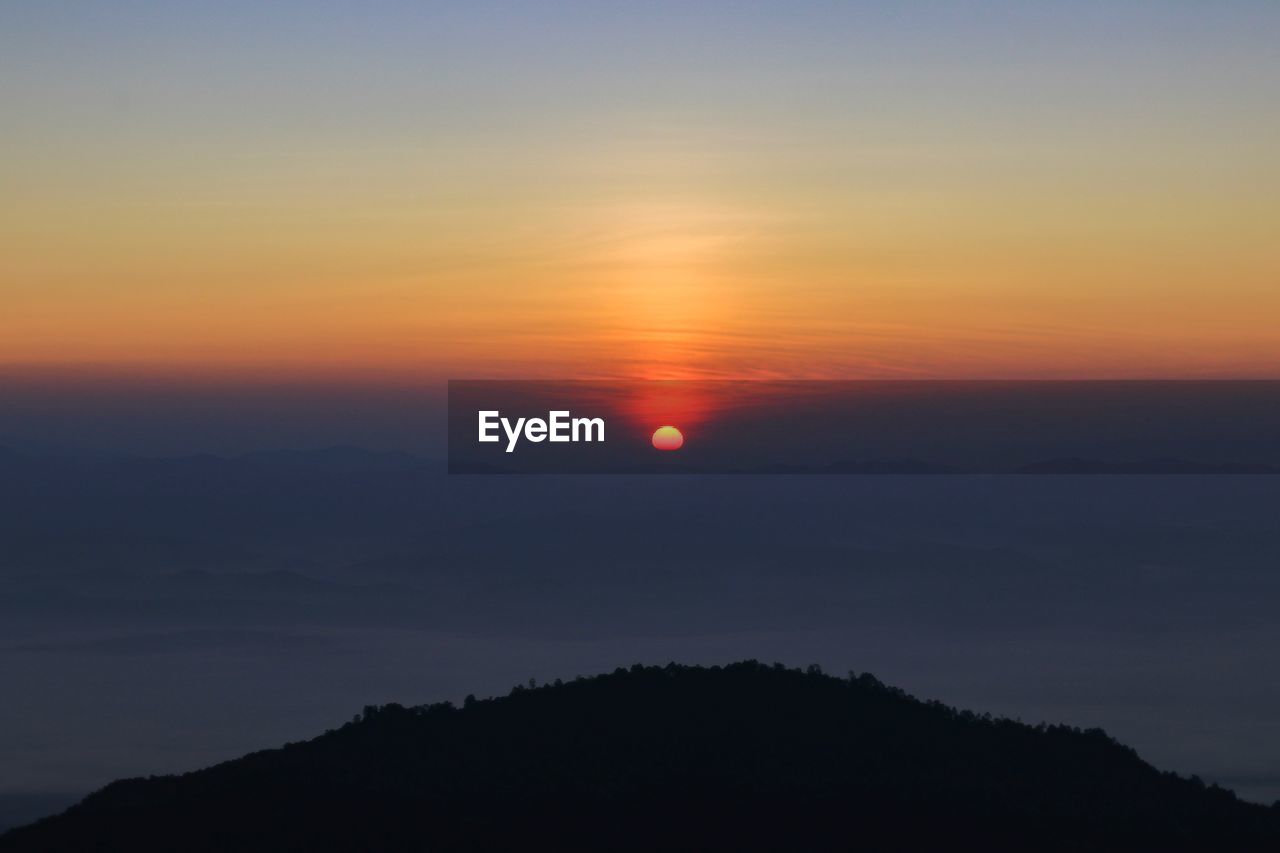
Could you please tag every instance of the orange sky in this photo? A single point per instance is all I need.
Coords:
(969, 206)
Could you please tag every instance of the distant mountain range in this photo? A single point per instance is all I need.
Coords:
(1072, 466)
(1144, 466)
(336, 457)
(340, 459)
(744, 757)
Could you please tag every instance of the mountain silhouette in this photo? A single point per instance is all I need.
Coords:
(741, 757)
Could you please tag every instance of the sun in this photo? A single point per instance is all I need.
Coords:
(667, 438)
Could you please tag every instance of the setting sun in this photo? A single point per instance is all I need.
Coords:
(667, 438)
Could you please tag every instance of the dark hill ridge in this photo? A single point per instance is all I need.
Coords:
(738, 757)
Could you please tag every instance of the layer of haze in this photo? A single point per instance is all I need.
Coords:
(1079, 189)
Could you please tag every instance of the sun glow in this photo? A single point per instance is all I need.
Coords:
(667, 438)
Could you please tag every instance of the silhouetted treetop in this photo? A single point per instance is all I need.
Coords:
(740, 757)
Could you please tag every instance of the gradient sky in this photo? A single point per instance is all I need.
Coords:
(1046, 189)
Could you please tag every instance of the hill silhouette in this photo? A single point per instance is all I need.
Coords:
(741, 757)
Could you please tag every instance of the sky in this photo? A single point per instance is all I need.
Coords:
(412, 191)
